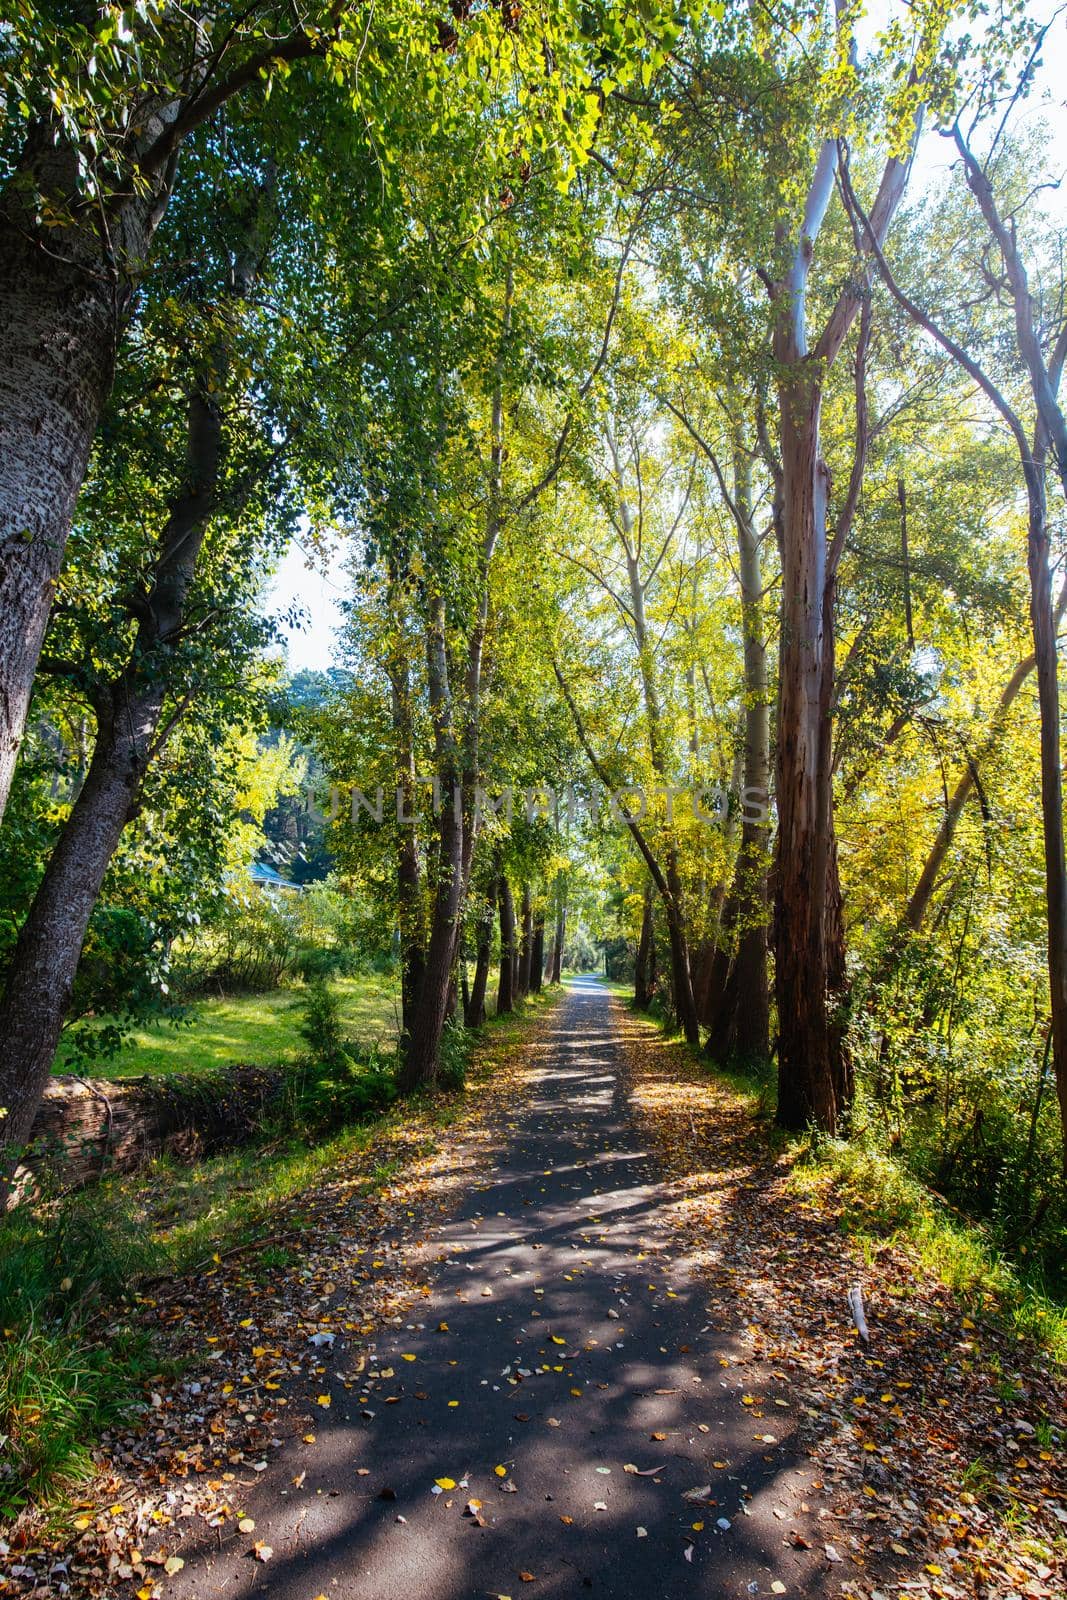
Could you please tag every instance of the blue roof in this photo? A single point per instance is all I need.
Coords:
(259, 872)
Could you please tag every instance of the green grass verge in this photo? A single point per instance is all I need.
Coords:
(72, 1359)
(880, 1202)
(260, 1030)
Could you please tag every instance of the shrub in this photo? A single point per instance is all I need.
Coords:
(62, 1264)
(340, 1082)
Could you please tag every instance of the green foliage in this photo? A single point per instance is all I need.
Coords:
(341, 1083)
(63, 1374)
(208, 1035)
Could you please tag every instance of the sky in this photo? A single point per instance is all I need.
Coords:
(318, 591)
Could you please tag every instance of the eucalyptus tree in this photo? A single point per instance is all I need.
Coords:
(1026, 289)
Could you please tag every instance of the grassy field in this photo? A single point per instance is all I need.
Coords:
(259, 1029)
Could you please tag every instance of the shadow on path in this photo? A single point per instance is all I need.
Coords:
(574, 1343)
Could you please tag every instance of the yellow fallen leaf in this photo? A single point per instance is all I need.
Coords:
(323, 1401)
(407, 1358)
(445, 1483)
(246, 1525)
(501, 1472)
(173, 1565)
(81, 1523)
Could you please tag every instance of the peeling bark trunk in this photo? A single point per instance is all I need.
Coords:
(807, 1047)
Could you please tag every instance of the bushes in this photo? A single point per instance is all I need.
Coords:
(260, 937)
(61, 1372)
(340, 1082)
(954, 1081)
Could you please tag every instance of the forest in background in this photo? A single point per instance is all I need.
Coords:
(694, 442)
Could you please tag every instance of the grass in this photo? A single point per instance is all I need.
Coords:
(880, 1202)
(72, 1358)
(259, 1030)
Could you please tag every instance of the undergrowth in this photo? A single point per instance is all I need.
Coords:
(73, 1360)
(879, 1201)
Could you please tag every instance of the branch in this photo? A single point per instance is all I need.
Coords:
(925, 321)
(859, 455)
(601, 771)
(552, 470)
(890, 193)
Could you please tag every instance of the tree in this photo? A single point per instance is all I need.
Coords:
(101, 112)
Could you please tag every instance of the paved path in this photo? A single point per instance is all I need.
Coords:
(575, 1345)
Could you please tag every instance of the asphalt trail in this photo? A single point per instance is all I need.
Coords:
(574, 1335)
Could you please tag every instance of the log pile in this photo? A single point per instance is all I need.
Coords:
(89, 1127)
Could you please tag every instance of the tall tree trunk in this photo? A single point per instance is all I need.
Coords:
(408, 866)
(431, 1009)
(752, 1011)
(739, 1002)
(809, 963)
(505, 994)
(64, 297)
(559, 934)
(681, 971)
(525, 956)
(807, 1049)
(41, 973)
(457, 740)
(483, 953)
(537, 955)
(645, 964)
